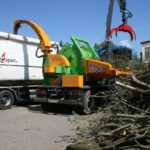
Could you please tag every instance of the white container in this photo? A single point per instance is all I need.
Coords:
(18, 61)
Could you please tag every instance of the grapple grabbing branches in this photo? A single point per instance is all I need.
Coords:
(125, 28)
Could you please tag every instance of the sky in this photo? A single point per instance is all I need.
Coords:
(85, 19)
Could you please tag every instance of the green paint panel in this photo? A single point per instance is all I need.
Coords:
(62, 70)
(76, 54)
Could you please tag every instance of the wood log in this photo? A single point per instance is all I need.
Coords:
(140, 83)
(121, 128)
(111, 125)
(133, 107)
(134, 116)
(141, 146)
(131, 88)
(126, 141)
(83, 146)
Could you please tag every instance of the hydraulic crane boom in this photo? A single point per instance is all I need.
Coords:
(109, 19)
(125, 13)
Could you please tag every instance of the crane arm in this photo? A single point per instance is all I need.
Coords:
(45, 43)
(126, 14)
(109, 19)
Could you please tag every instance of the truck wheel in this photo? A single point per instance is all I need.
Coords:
(88, 104)
(6, 99)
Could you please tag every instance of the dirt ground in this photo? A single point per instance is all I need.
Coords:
(29, 128)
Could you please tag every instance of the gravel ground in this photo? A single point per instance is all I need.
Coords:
(28, 128)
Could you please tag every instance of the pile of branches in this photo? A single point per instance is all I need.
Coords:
(126, 119)
(136, 90)
(123, 126)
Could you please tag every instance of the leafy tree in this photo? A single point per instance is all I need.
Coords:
(136, 63)
(103, 45)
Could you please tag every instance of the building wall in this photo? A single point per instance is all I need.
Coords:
(146, 52)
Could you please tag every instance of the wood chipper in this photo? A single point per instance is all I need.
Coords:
(74, 75)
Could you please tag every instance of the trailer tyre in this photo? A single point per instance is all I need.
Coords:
(88, 104)
(6, 99)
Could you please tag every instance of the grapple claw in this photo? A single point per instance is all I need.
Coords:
(124, 28)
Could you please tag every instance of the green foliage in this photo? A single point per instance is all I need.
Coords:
(126, 64)
(136, 63)
(104, 44)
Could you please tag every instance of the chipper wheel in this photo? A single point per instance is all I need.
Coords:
(6, 99)
(88, 103)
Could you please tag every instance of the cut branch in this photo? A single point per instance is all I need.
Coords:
(134, 116)
(131, 88)
(133, 107)
(138, 82)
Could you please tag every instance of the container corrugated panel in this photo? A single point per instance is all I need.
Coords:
(17, 58)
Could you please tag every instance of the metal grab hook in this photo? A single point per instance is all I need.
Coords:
(124, 28)
(126, 14)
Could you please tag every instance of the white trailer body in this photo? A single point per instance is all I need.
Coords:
(20, 69)
(18, 61)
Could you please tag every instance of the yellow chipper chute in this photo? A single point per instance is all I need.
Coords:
(102, 70)
(45, 43)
